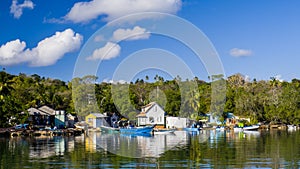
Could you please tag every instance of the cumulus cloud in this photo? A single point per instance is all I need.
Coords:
(111, 9)
(109, 51)
(115, 82)
(236, 52)
(47, 52)
(17, 9)
(12, 52)
(131, 34)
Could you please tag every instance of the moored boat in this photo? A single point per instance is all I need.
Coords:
(136, 130)
(253, 127)
(81, 125)
(108, 129)
(164, 131)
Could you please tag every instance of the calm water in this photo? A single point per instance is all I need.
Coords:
(209, 149)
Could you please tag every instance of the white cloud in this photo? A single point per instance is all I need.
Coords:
(109, 51)
(131, 34)
(112, 9)
(12, 53)
(115, 82)
(47, 52)
(55, 47)
(236, 52)
(17, 9)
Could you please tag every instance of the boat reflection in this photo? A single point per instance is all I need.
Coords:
(50, 146)
(131, 145)
(141, 145)
(137, 135)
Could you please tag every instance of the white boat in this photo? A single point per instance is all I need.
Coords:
(292, 127)
(253, 127)
(81, 125)
(164, 131)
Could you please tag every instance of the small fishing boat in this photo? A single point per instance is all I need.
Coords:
(108, 129)
(136, 130)
(253, 127)
(164, 131)
(292, 127)
(81, 125)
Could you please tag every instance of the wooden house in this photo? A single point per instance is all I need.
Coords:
(46, 116)
(95, 120)
(151, 114)
(176, 122)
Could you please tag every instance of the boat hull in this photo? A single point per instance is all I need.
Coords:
(137, 130)
(246, 128)
(107, 129)
(164, 131)
(251, 128)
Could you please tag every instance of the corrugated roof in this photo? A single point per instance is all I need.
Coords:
(34, 111)
(47, 110)
(99, 115)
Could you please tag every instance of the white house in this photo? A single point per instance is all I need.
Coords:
(151, 114)
(176, 122)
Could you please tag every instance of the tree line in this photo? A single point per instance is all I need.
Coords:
(263, 101)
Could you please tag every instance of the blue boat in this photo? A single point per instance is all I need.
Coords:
(137, 130)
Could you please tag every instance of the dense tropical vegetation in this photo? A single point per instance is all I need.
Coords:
(263, 101)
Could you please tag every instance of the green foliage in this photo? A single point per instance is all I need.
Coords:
(261, 101)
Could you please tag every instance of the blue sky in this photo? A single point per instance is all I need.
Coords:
(259, 39)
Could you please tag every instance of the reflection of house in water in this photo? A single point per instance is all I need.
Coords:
(47, 147)
(137, 146)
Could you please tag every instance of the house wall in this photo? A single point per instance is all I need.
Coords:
(59, 119)
(142, 121)
(98, 122)
(89, 119)
(176, 122)
(155, 115)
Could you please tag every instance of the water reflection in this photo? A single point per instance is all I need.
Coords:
(138, 146)
(43, 147)
(210, 149)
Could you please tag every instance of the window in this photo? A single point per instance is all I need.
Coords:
(151, 119)
(90, 120)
